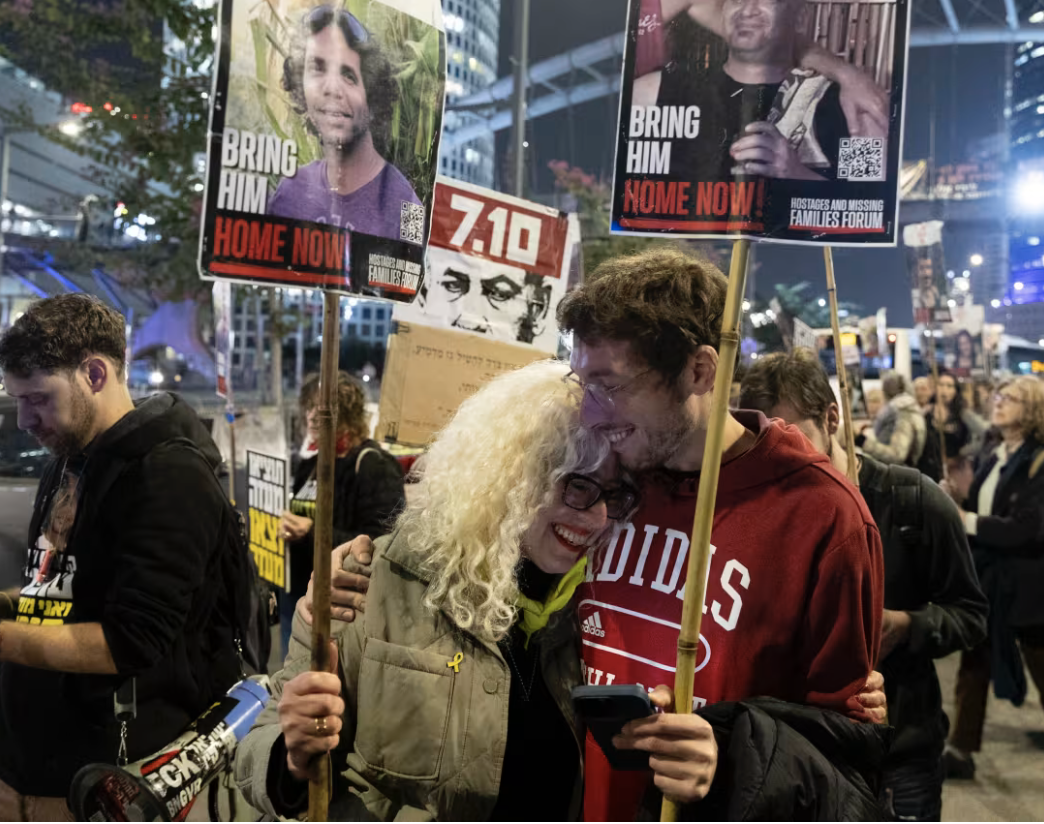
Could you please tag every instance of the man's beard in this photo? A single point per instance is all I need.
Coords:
(83, 414)
(662, 444)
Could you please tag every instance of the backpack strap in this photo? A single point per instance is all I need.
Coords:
(358, 461)
(1038, 462)
(907, 508)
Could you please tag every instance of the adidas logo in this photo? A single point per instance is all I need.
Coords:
(593, 626)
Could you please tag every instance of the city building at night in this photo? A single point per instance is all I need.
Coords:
(472, 40)
(1025, 284)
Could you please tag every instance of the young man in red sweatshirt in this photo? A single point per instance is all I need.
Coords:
(795, 588)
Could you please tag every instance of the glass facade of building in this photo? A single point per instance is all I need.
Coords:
(472, 40)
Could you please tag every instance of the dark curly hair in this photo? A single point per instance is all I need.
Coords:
(350, 402)
(382, 92)
(664, 302)
(57, 334)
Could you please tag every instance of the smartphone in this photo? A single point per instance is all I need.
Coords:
(605, 710)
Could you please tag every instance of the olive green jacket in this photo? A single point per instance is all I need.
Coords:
(422, 740)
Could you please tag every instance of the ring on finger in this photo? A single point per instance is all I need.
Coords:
(320, 727)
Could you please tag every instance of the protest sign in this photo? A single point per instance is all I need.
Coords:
(962, 341)
(223, 337)
(497, 266)
(324, 136)
(267, 500)
(429, 372)
(741, 130)
(924, 259)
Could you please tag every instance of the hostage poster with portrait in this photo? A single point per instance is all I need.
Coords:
(775, 120)
(498, 266)
(930, 288)
(324, 142)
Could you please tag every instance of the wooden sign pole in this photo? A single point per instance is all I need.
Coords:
(842, 372)
(699, 547)
(934, 363)
(326, 418)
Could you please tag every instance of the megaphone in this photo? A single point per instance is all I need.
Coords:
(165, 785)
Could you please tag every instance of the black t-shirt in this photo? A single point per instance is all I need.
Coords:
(541, 758)
(727, 107)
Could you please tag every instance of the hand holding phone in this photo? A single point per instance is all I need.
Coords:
(605, 710)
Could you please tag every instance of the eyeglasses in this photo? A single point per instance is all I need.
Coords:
(321, 16)
(603, 395)
(1006, 397)
(582, 493)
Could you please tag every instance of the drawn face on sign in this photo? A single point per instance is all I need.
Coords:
(508, 304)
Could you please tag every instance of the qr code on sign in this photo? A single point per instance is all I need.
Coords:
(861, 159)
(411, 222)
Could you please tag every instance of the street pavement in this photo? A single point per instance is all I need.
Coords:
(1009, 782)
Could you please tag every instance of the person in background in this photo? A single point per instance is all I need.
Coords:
(924, 389)
(449, 697)
(368, 487)
(1003, 514)
(933, 604)
(875, 401)
(898, 434)
(963, 430)
(983, 399)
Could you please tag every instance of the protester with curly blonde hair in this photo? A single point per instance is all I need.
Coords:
(450, 696)
(1004, 517)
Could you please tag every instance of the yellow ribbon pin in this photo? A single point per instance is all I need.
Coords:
(455, 663)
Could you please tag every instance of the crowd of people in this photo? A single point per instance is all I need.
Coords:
(539, 546)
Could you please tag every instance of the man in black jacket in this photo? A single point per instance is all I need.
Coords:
(123, 578)
(933, 603)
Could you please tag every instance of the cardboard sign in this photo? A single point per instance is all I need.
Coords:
(429, 372)
(324, 138)
(267, 478)
(720, 135)
(497, 266)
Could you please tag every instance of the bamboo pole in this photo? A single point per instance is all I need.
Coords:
(699, 547)
(230, 414)
(842, 373)
(326, 418)
(935, 407)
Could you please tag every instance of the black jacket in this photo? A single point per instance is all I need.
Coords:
(142, 560)
(928, 573)
(1009, 544)
(789, 762)
(363, 505)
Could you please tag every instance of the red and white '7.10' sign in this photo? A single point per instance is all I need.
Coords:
(500, 228)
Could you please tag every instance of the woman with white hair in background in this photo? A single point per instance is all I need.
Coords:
(450, 693)
(1003, 513)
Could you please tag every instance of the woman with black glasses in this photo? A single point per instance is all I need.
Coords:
(451, 697)
(1004, 516)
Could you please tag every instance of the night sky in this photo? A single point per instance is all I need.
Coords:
(960, 88)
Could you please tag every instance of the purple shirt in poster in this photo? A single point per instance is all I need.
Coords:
(375, 209)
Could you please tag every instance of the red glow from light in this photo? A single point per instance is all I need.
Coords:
(107, 107)
(80, 108)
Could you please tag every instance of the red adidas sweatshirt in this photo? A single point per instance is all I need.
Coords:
(794, 595)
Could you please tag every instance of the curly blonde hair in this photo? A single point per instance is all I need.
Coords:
(482, 483)
(1031, 393)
